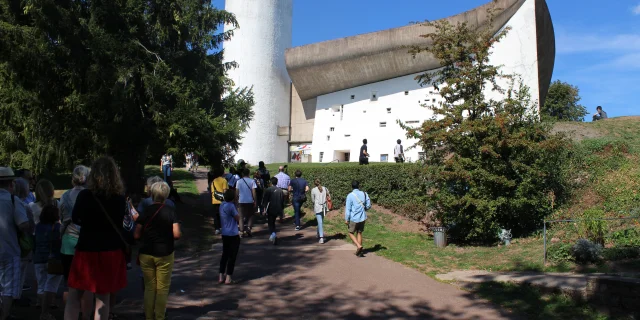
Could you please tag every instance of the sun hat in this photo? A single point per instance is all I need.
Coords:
(6, 173)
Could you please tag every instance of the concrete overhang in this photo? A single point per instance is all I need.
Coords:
(335, 65)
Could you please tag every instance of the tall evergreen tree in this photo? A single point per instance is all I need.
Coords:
(121, 77)
(490, 163)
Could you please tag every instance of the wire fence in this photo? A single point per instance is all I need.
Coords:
(611, 232)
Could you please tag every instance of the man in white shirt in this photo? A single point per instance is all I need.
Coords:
(398, 152)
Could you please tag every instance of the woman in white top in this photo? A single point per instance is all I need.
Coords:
(44, 197)
(319, 196)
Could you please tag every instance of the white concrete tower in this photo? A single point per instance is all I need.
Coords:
(258, 47)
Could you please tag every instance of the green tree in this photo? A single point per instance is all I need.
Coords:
(562, 103)
(83, 78)
(489, 163)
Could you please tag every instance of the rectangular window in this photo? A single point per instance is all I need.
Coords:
(383, 124)
(353, 96)
(388, 110)
(384, 158)
(412, 122)
(347, 135)
(328, 138)
(347, 156)
(434, 100)
(341, 111)
(332, 129)
(406, 93)
(321, 156)
(374, 96)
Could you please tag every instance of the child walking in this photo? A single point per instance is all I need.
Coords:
(48, 243)
(230, 237)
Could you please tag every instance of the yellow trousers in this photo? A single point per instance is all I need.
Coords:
(157, 280)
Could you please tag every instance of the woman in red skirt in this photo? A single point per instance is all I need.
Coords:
(99, 264)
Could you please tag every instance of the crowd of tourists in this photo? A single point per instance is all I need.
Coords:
(82, 242)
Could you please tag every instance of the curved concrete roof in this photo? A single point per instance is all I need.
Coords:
(335, 65)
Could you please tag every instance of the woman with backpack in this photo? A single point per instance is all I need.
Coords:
(320, 196)
(257, 177)
(157, 228)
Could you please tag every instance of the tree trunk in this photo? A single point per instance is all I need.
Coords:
(131, 161)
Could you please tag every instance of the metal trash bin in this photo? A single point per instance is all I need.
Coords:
(439, 236)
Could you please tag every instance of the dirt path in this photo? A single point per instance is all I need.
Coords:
(297, 279)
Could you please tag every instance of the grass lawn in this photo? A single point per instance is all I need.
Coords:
(417, 250)
(534, 304)
(183, 180)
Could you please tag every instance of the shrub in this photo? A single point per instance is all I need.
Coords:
(620, 253)
(585, 251)
(626, 238)
(593, 229)
(559, 252)
(398, 187)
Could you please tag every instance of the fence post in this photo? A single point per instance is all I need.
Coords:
(544, 228)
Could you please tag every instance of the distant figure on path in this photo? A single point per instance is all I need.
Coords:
(355, 216)
(229, 219)
(319, 196)
(260, 186)
(264, 173)
(246, 195)
(218, 187)
(398, 152)
(166, 163)
(273, 203)
(364, 155)
(283, 183)
(298, 188)
(600, 114)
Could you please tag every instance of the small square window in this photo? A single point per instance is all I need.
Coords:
(383, 124)
(353, 96)
(406, 93)
(430, 92)
(364, 111)
(332, 129)
(388, 110)
(384, 158)
(434, 100)
(374, 96)
(328, 138)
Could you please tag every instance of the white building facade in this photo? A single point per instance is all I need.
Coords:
(376, 87)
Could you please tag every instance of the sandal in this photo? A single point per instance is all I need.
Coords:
(359, 251)
(232, 282)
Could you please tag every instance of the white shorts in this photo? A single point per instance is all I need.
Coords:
(10, 277)
(46, 282)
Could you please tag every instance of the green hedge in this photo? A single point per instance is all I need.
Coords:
(397, 187)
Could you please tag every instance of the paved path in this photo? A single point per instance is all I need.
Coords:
(297, 279)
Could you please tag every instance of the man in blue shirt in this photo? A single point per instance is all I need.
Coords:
(355, 214)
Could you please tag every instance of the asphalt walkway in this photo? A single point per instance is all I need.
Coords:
(297, 279)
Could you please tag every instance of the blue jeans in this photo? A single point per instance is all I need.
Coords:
(296, 210)
(166, 171)
(319, 217)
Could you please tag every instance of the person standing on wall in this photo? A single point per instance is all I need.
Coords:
(364, 155)
(355, 215)
(398, 152)
(298, 187)
(246, 196)
(166, 163)
(273, 203)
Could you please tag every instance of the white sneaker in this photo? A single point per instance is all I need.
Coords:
(321, 241)
(217, 231)
(272, 238)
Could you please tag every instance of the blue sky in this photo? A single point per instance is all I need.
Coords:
(597, 42)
